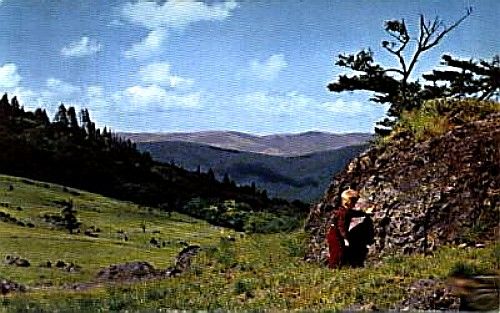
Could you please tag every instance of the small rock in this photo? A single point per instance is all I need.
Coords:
(462, 245)
(22, 263)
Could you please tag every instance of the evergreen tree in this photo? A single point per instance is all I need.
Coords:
(15, 105)
(226, 181)
(71, 116)
(476, 78)
(69, 217)
(5, 108)
(211, 175)
(393, 85)
(62, 116)
(41, 116)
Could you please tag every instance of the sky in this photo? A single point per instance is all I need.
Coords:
(259, 67)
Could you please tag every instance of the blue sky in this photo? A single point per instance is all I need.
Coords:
(254, 66)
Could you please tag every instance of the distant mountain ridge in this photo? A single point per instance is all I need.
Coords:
(286, 145)
(302, 177)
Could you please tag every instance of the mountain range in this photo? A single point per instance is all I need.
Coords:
(290, 166)
(286, 145)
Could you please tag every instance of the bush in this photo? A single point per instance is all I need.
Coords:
(244, 286)
(226, 253)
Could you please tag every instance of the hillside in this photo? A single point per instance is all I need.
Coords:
(111, 233)
(286, 145)
(77, 154)
(434, 181)
(232, 271)
(303, 177)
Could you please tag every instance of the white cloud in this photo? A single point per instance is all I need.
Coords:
(180, 82)
(61, 87)
(155, 98)
(175, 14)
(9, 77)
(160, 18)
(269, 69)
(296, 103)
(289, 103)
(95, 91)
(149, 46)
(159, 73)
(342, 106)
(84, 47)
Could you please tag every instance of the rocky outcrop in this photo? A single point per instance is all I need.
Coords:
(183, 260)
(424, 194)
(140, 270)
(128, 272)
(429, 295)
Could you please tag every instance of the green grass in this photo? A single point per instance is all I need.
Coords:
(254, 272)
(45, 242)
(438, 116)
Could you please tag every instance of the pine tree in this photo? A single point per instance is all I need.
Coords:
(393, 85)
(41, 116)
(226, 181)
(69, 217)
(62, 116)
(253, 188)
(466, 78)
(211, 175)
(71, 116)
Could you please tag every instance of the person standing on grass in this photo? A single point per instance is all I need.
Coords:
(337, 236)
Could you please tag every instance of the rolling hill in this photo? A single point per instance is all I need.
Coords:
(302, 177)
(233, 271)
(286, 145)
(79, 155)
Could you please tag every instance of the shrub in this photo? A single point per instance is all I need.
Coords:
(226, 253)
(244, 286)
(437, 116)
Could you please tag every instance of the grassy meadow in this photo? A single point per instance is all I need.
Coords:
(251, 272)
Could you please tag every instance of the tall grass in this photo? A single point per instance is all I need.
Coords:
(438, 116)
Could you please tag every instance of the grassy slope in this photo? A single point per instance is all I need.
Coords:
(42, 243)
(254, 272)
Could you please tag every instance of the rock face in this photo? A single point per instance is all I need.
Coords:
(444, 190)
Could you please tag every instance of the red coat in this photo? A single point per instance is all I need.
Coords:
(337, 233)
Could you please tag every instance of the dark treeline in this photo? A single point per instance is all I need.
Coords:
(71, 151)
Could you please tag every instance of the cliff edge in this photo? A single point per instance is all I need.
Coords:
(425, 190)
